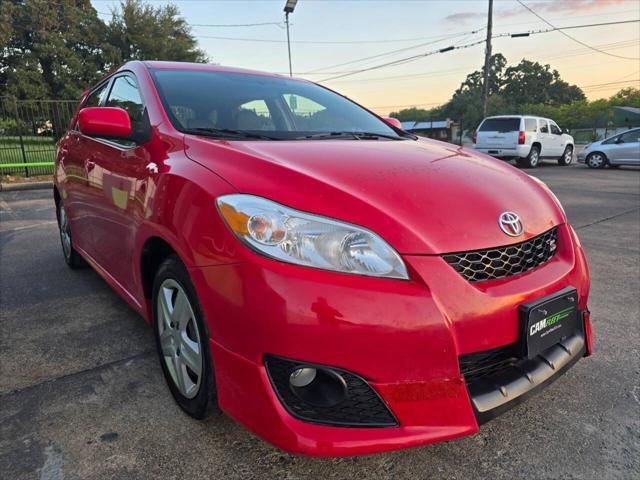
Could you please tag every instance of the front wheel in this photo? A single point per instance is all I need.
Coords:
(532, 160)
(567, 156)
(596, 160)
(182, 339)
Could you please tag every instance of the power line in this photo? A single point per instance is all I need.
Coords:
(468, 45)
(436, 73)
(233, 25)
(405, 60)
(598, 85)
(560, 30)
(384, 54)
(328, 42)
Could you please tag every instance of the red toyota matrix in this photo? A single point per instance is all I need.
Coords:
(335, 284)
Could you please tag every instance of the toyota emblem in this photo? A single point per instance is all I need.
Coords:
(511, 224)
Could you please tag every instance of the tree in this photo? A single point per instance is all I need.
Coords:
(528, 87)
(532, 82)
(414, 114)
(55, 50)
(141, 32)
(50, 49)
(627, 97)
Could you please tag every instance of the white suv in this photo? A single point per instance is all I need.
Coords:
(526, 138)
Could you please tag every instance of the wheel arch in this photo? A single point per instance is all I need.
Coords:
(600, 152)
(56, 199)
(154, 251)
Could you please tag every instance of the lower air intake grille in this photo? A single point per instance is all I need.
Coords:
(506, 261)
(476, 366)
(360, 407)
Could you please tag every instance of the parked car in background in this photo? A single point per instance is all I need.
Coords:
(526, 138)
(620, 149)
(337, 285)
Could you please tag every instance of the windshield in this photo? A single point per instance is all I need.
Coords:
(239, 105)
(501, 125)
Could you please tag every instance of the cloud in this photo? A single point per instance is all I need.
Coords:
(574, 6)
(464, 17)
(565, 6)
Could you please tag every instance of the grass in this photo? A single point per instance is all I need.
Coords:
(36, 149)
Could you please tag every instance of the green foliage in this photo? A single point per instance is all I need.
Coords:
(526, 88)
(412, 114)
(56, 49)
(141, 32)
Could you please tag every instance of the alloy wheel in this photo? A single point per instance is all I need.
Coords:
(180, 339)
(535, 156)
(568, 156)
(65, 233)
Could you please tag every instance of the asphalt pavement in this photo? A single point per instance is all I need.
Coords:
(82, 394)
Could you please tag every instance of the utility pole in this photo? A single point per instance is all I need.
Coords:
(487, 60)
(289, 8)
(286, 19)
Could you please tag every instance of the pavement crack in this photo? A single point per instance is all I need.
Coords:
(608, 218)
(97, 368)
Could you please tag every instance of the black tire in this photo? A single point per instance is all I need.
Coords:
(532, 160)
(71, 257)
(567, 156)
(596, 160)
(203, 402)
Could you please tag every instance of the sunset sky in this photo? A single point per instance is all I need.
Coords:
(329, 33)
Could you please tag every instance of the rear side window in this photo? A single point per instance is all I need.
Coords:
(501, 125)
(530, 125)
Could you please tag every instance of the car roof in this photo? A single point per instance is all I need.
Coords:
(207, 67)
(517, 116)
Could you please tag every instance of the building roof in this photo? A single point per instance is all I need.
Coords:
(425, 125)
(634, 110)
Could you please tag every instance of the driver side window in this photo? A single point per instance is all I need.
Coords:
(126, 95)
(555, 129)
(630, 137)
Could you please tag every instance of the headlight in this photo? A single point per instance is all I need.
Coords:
(550, 192)
(296, 237)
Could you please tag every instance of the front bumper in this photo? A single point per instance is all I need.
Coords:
(404, 337)
(582, 156)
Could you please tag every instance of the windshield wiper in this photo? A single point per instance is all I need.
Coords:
(226, 133)
(352, 135)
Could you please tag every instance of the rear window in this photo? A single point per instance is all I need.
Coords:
(500, 125)
(530, 124)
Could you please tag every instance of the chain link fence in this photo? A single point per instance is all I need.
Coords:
(29, 130)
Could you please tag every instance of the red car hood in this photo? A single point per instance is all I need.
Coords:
(423, 197)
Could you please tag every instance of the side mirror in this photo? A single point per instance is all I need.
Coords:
(394, 122)
(104, 122)
(566, 130)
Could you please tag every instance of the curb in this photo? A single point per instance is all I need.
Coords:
(10, 187)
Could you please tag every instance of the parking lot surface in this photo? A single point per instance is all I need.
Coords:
(82, 395)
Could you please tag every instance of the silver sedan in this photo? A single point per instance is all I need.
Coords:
(620, 149)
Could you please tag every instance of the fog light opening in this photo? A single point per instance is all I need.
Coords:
(319, 387)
